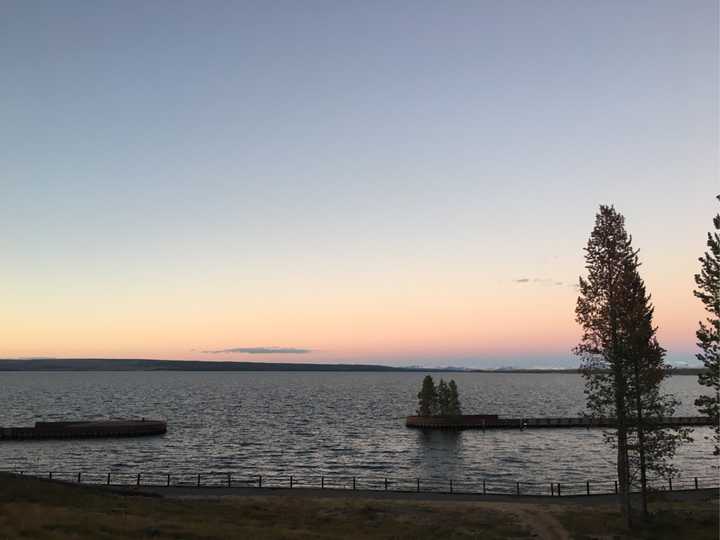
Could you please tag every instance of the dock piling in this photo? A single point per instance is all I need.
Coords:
(418, 485)
(587, 485)
(696, 483)
(79, 478)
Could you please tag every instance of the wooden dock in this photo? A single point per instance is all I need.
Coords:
(492, 421)
(83, 429)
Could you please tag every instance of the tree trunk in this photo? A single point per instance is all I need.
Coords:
(641, 442)
(623, 465)
(622, 458)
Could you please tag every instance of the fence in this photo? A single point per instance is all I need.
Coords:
(466, 486)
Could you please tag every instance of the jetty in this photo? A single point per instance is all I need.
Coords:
(85, 429)
(493, 421)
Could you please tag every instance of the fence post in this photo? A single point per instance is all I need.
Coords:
(552, 489)
(168, 480)
(50, 477)
(517, 488)
(260, 480)
(79, 477)
(451, 488)
(322, 482)
(229, 479)
(353, 483)
(418, 485)
(138, 479)
(670, 483)
(386, 484)
(696, 482)
(484, 492)
(587, 485)
(198, 480)
(558, 489)
(108, 479)
(291, 481)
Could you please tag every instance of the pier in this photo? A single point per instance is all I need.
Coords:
(493, 421)
(85, 429)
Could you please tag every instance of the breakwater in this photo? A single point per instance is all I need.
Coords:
(492, 421)
(83, 429)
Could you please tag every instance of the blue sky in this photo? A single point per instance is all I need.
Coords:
(361, 179)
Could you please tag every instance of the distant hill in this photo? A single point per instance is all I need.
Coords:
(133, 364)
(136, 364)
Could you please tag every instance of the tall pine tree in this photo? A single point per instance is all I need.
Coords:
(622, 361)
(651, 446)
(708, 335)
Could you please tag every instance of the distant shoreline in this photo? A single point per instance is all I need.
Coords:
(133, 364)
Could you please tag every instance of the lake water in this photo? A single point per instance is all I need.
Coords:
(310, 424)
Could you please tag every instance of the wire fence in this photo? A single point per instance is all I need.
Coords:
(467, 486)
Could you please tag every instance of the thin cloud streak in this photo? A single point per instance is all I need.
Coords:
(261, 350)
(544, 281)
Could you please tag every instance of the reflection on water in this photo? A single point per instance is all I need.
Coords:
(316, 423)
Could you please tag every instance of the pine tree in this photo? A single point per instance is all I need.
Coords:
(443, 397)
(454, 408)
(708, 335)
(427, 398)
(622, 361)
(600, 345)
(650, 445)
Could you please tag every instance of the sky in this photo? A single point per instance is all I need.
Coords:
(406, 183)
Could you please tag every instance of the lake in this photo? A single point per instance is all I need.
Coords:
(309, 424)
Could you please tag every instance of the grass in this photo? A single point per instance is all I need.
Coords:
(37, 509)
(691, 520)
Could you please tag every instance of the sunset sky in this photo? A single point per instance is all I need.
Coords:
(377, 182)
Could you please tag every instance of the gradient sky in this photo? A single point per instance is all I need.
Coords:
(372, 181)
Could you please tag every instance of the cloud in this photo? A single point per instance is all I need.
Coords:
(261, 350)
(543, 281)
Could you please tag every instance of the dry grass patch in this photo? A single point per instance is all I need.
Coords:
(31, 508)
(696, 520)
